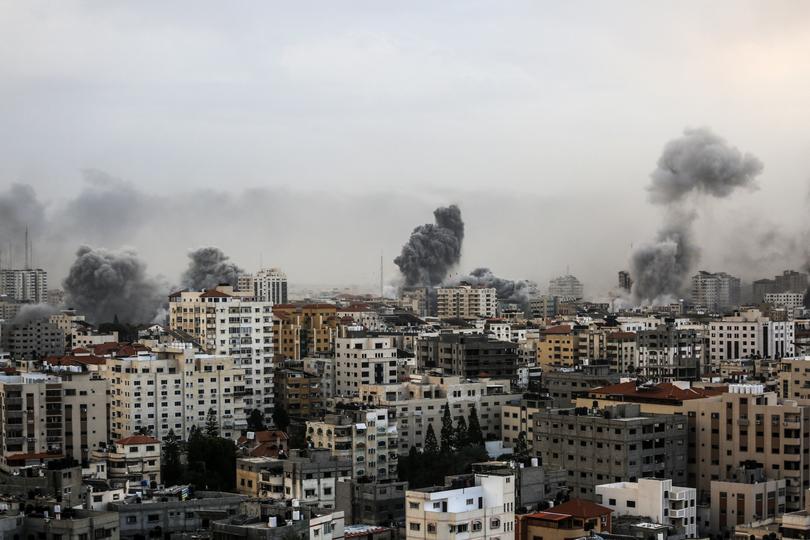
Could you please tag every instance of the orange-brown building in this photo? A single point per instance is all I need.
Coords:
(573, 519)
(303, 330)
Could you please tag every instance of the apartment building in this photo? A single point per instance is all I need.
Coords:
(652, 398)
(363, 316)
(468, 355)
(749, 334)
(135, 458)
(367, 438)
(746, 497)
(669, 353)
(311, 476)
(31, 406)
(517, 418)
(577, 518)
(270, 285)
(787, 300)
(230, 323)
(33, 340)
(558, 346)
(298, 392)
(655, 499)
(564, 386)
(789, 281)
(420, 403)
(24, 285)
(749, 424)
(794, 379)
(301, 331)
(617, 444)
(621, 350)
(364, 360)
(484, 510)
(466, 302)
(566, 285)
(86, 417)
(172, 387)
(715, 291)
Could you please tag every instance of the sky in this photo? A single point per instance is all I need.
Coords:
(315, 135)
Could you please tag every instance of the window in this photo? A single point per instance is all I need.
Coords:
(477, 526)
(413, 505)
(612, 502)
(431, 528)
(132, 520)
(152, 518)
(494, 523)
(631, 504)
(414, 526)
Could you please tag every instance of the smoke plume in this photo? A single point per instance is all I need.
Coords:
(209, 267)
(104, 284)
(432, 250)
(699, 164)
(508, 291)
(33, 312)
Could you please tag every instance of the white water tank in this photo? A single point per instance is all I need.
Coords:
(272, 521)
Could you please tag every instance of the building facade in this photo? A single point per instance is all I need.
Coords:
(466, 302)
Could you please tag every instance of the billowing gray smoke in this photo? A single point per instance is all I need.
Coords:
(209, 267)
(432, 250)
(104, 284)
(33, 312)
(699, 163)
(508, 291)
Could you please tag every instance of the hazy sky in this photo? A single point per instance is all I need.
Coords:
(542, 120)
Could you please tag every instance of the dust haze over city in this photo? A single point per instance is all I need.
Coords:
(405, 270)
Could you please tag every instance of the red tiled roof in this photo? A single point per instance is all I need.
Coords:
(105, 349)
(561, 329)
(622, 335)
(72, 360)
(80, 350)
(581, 508)
(549, 516)
(33, 455)
(657, 392)
(213, 293)
(137, 439)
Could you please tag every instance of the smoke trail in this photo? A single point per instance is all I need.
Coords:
(508, 291)
(209, 267)
(699, 163)
(432, 249)
(104, 284)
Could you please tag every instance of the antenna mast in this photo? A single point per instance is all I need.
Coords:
(381, 275)
(27, 252)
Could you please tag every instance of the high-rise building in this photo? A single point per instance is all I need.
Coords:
(467, 302)
(24, 285)
(625, 281)
(270, 285)
(566, 285)
(715, 291)
(303, 330)
(791, 281)
(468, 355)
(669, 353)
(172, 387)
(228, 322)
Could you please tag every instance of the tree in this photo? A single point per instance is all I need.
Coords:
(431, 444)
(474, 434)
(171, 467)
(255, 421)
(447, 430)
(280, 417)
(521, 448)
(460, 437)
(211, 425)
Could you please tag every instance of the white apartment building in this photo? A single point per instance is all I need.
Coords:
(270, 285)
(135, 458)
(367, 438)
(364, 360)
(24, 285)
(229, 322)
(787, 300)
(750, 334)
(485, 510)
(658, 500)
(174, 388)
(466, 302)
(420, 403)
(365, 317)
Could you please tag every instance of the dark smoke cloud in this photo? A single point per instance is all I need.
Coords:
(508, 291)
(104, 284)
(699, 163)
(209, 267)
(33, 312)
(432, 250)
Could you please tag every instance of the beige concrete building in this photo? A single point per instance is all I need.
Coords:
(794, 379)
(747, 498)
(302, 330)
(484, 510)
(366, 438)
(364, 360)
(748, 424)
(172, 387)
(421, 401)
(517, 418)
(466, 302)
